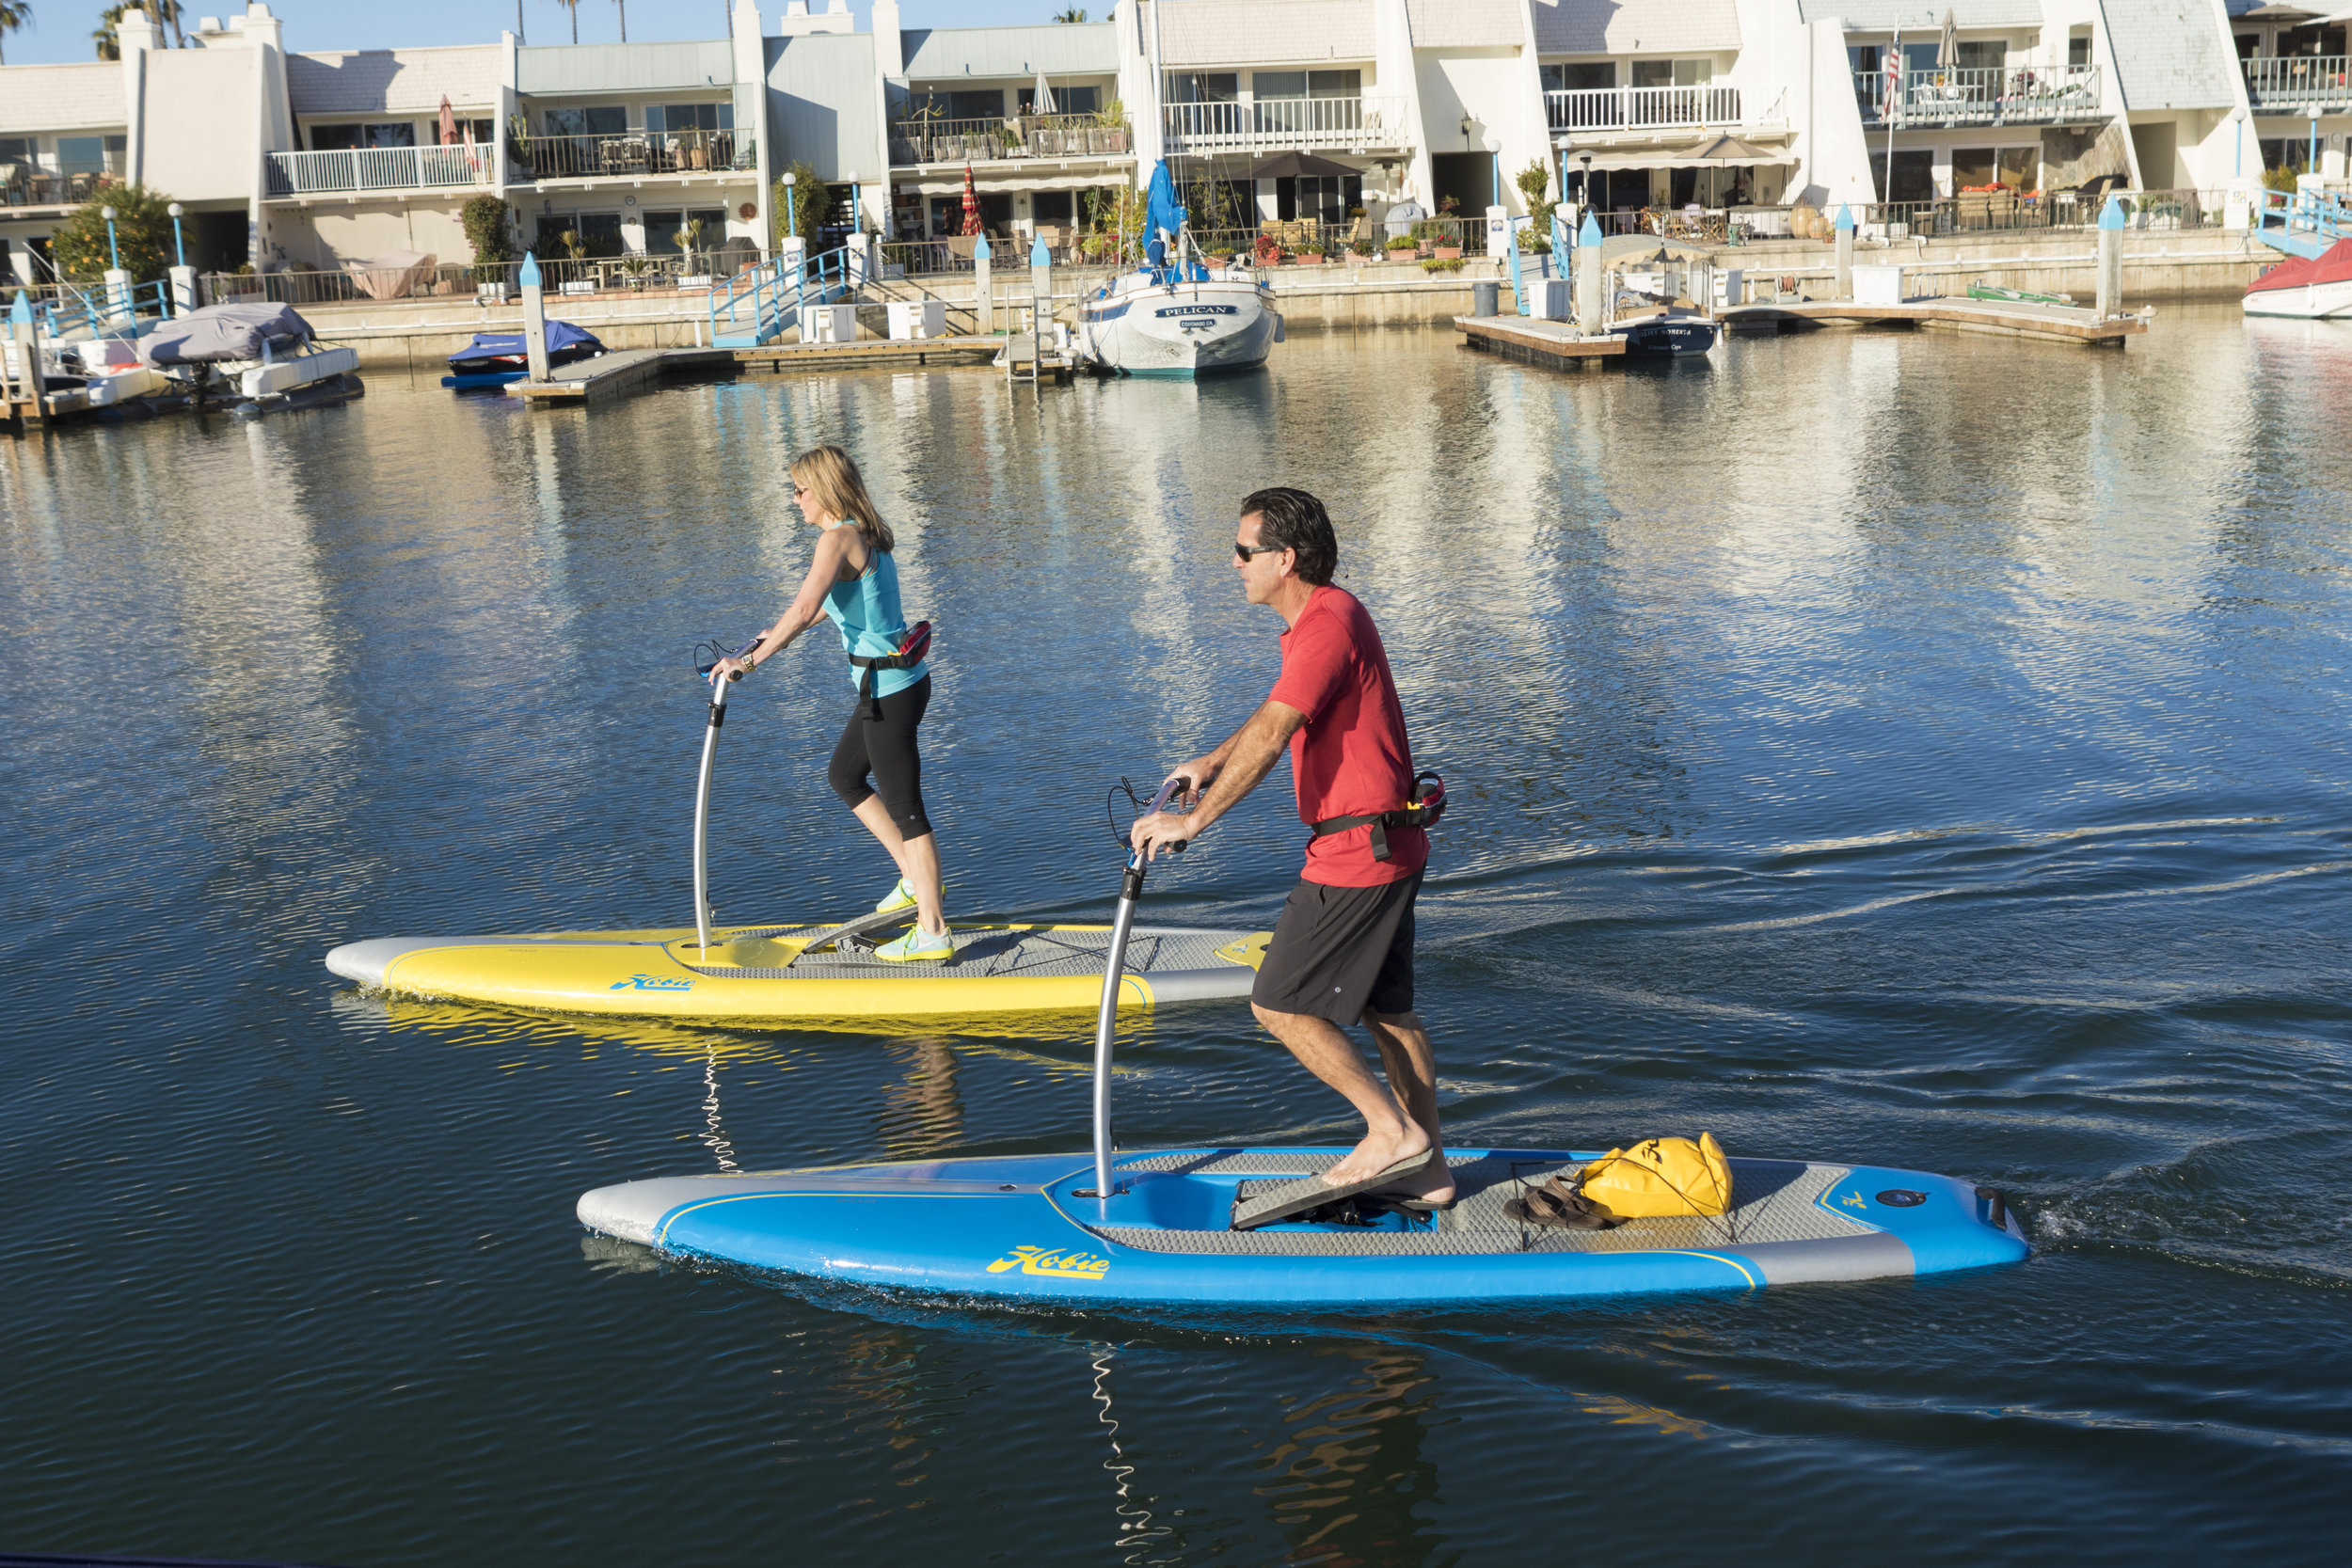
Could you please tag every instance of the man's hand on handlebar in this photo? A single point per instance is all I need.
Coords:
(1196, 775)
(1162, 829)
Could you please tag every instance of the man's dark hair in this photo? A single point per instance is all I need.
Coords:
(1295, 520)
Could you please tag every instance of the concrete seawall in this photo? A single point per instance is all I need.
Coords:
(418, 335)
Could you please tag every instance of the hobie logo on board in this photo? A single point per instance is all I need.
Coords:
(1054, 1262)
(651, 982)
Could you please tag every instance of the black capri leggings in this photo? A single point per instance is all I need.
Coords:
(886, 748)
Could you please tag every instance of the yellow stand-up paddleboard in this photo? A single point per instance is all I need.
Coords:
(800, 972)
(770, 972)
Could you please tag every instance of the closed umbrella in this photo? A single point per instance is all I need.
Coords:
(1947, 47)
(971, 204)
(1042, 96)
(449, 123)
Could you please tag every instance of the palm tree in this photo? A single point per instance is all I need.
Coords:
(13, 15)
(573, 6)
(1072, 14)
(109, 46)
(624, 9)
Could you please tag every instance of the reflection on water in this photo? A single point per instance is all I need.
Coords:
(1926, 749)
(1352, 1480)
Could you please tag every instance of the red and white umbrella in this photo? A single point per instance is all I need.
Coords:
(971, 203)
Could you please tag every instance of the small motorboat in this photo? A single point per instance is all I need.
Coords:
(266, 352)
(1667, 330)
(2306, 288)
(495, 359)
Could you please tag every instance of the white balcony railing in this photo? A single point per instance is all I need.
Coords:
(380, 169)
(1274, 123)
(2300, 81)
(1599, 109)
(1983, 95)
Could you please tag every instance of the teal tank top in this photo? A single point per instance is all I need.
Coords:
(872, 625)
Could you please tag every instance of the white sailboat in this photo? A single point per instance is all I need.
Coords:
(1176, 316)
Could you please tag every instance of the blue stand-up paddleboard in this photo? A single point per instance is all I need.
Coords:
(1160, 1227)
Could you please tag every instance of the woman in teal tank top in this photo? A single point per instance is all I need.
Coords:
(853, 581)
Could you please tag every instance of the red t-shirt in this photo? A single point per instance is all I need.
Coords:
(1351, 757)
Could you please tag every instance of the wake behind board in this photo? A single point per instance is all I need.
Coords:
(1030, 1226)
(786, 971)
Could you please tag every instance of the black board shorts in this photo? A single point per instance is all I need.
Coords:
(1340, 952)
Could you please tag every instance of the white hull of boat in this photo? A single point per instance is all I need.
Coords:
(1180, 330)
(2310, 302)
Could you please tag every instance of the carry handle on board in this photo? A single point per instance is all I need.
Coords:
(1114, 970)
(703, 667)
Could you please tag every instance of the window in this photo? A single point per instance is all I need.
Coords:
(691, 117)
(2020, 168)
(399, 133)
(601, 121)
(1672, 73)
(1971, 167)
(16, 150)
(81, 154)
(1914, 175)
(2078, 47)
(1067, 100)
(1204, 86)
(2287, 152)
(1580, 76)
(1050, 207)
(600, 233)
(1983, 56)
(480, 132)
(1318, 198)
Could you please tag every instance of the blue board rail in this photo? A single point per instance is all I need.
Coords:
(2301, 223)
(761, 303)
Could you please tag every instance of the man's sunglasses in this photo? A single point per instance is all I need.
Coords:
(1247, 553)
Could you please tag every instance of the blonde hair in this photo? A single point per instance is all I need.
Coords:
(828, 473)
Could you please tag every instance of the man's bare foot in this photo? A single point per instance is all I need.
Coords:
(1377, 1153)
(1433, 1186)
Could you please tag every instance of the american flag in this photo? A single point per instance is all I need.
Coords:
(1894, 73)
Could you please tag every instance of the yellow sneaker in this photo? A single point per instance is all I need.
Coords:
(899, 897)
(918, 947)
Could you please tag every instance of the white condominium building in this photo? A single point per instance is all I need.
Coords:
(1267, 111)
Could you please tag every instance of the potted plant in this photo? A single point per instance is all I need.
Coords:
(1442, 262)
(1447, 250)
(1403, 247)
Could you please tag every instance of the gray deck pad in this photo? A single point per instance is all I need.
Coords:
(1773, 1201)
(872, 921)
(985, 953)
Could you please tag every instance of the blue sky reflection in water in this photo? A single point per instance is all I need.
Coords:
(1922, 750)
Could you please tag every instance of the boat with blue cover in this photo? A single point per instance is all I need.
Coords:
(1174, 1226)
(495, 359)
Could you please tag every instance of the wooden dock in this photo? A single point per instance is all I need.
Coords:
(635, 370)
(2006, 318)
(1020, 358)
(1556, 345)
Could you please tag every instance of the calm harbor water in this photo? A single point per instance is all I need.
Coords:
(1918, 750)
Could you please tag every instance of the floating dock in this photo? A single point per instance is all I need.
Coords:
(634, 370)
(1556, 345)
(2008, 318)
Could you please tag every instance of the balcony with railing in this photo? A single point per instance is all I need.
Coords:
(629, 155)
(2299, 82)
(1983, 95)
(1596, 110)
(1286, 122)
(923, 141)
(37, 184)
(380, 169)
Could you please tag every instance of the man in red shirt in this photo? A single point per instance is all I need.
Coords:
(1343, 950)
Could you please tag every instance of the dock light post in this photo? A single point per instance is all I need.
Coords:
(182, 280)
(1493, 145)
(2311, 163)
(119, 305)
(791, 222)
(114, 254)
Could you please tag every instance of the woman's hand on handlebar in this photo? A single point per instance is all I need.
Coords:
(730, 670)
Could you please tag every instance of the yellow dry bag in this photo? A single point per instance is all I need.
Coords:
(1659, 1178)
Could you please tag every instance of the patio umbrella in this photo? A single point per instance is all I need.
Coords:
(1289, 166)
(1043, 97)
(971, 203)
(1947, 47)
(449, 123)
